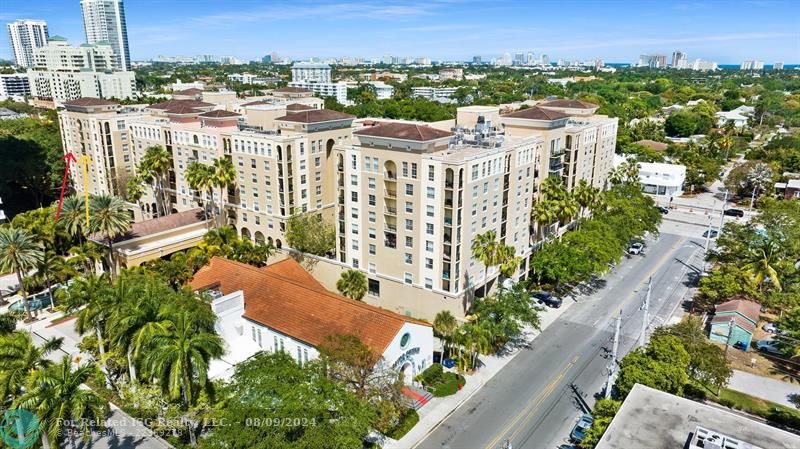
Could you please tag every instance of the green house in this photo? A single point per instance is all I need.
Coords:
(742, 314)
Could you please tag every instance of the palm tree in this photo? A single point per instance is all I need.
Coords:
(543, 215)
(445, 325)
(224, 177)
(85, 256)
(585, 195)
(565, 209)
(475, 338)
(625, 173)
(761, 262)
(51, 266)
(352, 284)
(58, 398)
(110, 218)
(201, 179)
(94, 300)
(19, 253)
(155, 164)
(486, 249)
(508, 261)
(73, 215)
(19, 357)
(134, 190)
(759, 176)
(179, 357)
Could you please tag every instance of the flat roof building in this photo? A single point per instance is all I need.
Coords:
(26, 36)
(650, 418)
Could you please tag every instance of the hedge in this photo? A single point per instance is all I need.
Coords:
(407, 422)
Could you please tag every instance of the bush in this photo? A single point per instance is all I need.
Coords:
(432, 375)
(784, 417)
(450, 385)
(695, 392)
(407, 422)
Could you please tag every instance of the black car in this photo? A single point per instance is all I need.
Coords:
(663, 210)
(734, 213)
(711, 234)
(547, 299)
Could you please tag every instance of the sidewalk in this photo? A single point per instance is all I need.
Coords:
(438, 409)
(765, 388)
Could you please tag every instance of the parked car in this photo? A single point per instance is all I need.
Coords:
(769, 346)
(636, 248)
(734, 213)
(773, 328)
(713, 233)
(663, 210)
(547, 299)
(581, 427)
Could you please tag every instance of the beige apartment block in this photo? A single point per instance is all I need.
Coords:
(411, 198)
(96, 131)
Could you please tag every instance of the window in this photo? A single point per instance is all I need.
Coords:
(429, 211)
(371, 183)
(409, 225)
(354, 245)
(408, 278)
(414, 170)
(354, 212)
(371, 215)
(354, 161)
(252, 163)
(409, 207)
(354, 230)
(372, 250)
(474, 191)
(371, 199)
(374, 287)
(428, 246)
(302, 179)
(354, 196)
(317, 162)
(409, 242)
(353, 180)
(372, 268)
(371, 233)
(428, 283)
(409, 189)
(431, 173)
(429, 228)
(355, 263)
(274, 343)
(405, 169)
(428, 262)
(409, 259)
(475, 172)
(431, 193)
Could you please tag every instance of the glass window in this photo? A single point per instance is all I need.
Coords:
(409, 225)
(428, 283)
(409, 259)
(429, 228)
(409, 189)
(408, 278)
(409, 207)
(428, 246)
(428, 262)
(431, 193)
(409, 242)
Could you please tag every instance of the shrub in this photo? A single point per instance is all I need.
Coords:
(407, 422)
(784, 417)
(432, 375)
(695, 392)
(449, 385)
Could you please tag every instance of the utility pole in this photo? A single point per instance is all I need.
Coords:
(646, 317)
(722, 212)
(612, 366)
(731, 323)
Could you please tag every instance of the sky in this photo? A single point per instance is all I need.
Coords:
(726, 31)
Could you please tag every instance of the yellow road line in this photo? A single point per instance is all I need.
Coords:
(531, 407)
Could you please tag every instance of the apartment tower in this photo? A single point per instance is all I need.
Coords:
(104, 21)
(25, 36)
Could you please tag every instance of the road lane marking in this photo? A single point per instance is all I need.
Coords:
(532, 405)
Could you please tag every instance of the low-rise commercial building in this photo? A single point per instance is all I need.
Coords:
(439, 94)
(335, 90)
(14, 86)
(382, 90)
(283, 308)
(666, 180)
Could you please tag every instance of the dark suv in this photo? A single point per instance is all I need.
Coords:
(734, 213)
(547, 299)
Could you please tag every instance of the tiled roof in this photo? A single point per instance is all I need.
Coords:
(182, 110)
(404, 131)
(291, 90)
(749, 309)
(571, 104)
(171, 104)
(298, 107)
(537, 113)
(160, 224)
(219, 113)
(741, 322)
(652, 144)
(315, 116)
(290, 269)
(253, 103)
(89, 101)
(284, 300)
(192, 91)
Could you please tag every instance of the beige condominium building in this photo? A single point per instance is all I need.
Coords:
(96, 132)
(412, 198)
(281, 171)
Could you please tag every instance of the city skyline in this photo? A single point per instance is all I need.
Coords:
(441, 29)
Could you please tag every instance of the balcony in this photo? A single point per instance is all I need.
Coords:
(557, 153)
(391, 228)
(390, 193)
(340, 167)
(390, 241)
(555, 165)
(390, 211)
(390, 175)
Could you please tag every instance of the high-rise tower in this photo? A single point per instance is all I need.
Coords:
(104, 21)
(25, 36)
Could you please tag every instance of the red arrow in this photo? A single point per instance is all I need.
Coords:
(69, 157)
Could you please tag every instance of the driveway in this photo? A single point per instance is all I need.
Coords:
(764, 388)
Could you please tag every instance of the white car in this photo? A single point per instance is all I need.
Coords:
(635, 248)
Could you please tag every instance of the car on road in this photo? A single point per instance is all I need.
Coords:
(581, 427)
(663, 210)
(546, 298)
(734, 213)
(769, 346)
(636, 248)
(713, 233)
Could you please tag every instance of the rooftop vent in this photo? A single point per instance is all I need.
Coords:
(703, 438)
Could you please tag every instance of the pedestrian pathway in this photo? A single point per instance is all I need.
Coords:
(764, 387)
(440, 408)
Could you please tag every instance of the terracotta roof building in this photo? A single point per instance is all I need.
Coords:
(569, 104)
(404, 131)
(315, 116)
(537, 113)
(281, 307)
(744, 315)
(652, 144)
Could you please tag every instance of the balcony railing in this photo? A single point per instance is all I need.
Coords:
(390, 193)
(391, 228)
(390, 211)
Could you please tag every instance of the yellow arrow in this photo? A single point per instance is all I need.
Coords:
(85, 161)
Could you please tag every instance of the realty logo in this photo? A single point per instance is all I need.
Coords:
(19, 428)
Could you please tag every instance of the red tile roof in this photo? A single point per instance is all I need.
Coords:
(568, 103)
(171, 104)
(741, 322)
(537, 113)
(749, 309)
(284, 300)
(182, 110)
(404, 131)
(89, 101)
(298, 107)
(219, 113)
(192, 91)
(157, 225)
(652, 144)
(315, 116)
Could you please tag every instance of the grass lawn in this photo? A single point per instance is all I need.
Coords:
(775, 413)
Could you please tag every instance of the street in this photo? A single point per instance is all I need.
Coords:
(530, 402)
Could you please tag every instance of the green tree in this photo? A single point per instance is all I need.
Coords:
(445, 326)
(73, 215)
(84, 257)
(507, 312)
(352, 284)
(602, 415)
(761, 263)
(273, 385)
(49, 268)
(57, 396)
(93, 299)
(310, 233)
(19, 254)
(662, 365)
(681, 124)
(154, 167)
(486, 249)
(20, 357)
(224, 177)
(201, 179)
(474, 338)
(110, 218)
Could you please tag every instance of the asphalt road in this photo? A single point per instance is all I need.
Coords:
(530, 402)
